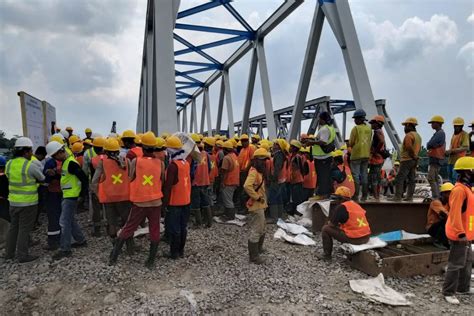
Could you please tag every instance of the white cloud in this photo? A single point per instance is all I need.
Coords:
(466, 53)
(470, 19)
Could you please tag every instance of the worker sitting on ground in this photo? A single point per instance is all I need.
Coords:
(437, 215)
(347, 224)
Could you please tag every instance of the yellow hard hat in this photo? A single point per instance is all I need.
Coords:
(74, 139)
(256, 136)
(337, 153)
(239, 144)
(77, 147)
(111, 144)
(128, 134)
(234, 142)
(173, 142)
(195, 138)
(98, 142)
(69, 128)
(343, 191)
(464, 163)
(88, 130)
(458, 121)
(219, 143)
(88, 141)
(304, 149)
(210, 141)
(200, 136)
(244, 137)
(261, 153)
(138, 139)
(397, 163)
(295, 143)
(410, 120)
(311, 136)
(343, 147)
(265, 145)
(165, 135)
(447, 186)
(57, 138)
(160, 142)
(437, 119)
(228, 144)
(282, 143)
(149, 139)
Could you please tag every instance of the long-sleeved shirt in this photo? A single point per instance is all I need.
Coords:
(378, 144)
(437, 140)
(170, 180)
(278, 163)
(339, 216)
(52, 181)
(255, 189)
(457, 206)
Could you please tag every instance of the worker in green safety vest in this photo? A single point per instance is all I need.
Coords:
(74, 184)
(23, 175)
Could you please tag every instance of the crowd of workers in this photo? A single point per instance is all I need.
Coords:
(136, 179)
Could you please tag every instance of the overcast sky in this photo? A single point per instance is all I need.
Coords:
(84, 57)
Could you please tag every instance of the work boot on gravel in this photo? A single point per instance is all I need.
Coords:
(260, 245)
(116, 251)
(61, 254)
(323, 257)
(27, 258)
(254, 256)
(150, 262)
(131, 246)
(207, 215)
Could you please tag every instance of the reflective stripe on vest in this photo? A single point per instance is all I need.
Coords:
(146, 186)
(356, 225)
(232, 177)
(114, 184)
(70, 184)
(181, 191)
(22, 188)
(316, 150)
(467, 217)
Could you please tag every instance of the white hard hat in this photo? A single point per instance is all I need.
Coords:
(65, 133)
(59, 135)
(53, 147)
(23, 142)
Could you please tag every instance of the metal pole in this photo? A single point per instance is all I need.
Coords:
(149, 81)
(344, 122)
(250, 88)
(208, 112)
(185, 120)
(267, 97)
(203, 114)
(220, 106)
(228, 98)
(307, 70)
(194, 125)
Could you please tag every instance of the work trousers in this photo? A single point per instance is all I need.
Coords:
(375, 177)
(307, 193)
(117, 214)
(452, 174)
(5, 209)
(22, 222)
(53, 211)
(328, 233)
(438, 232)
(458, 275)
(323, 170)
(257, 225)
(274, 195)
(69, 226)
(407, 172)
(177, 221)
(433, 179)
(297, 195)
(240, 196)
(97, 210)
(359, 169)
(135, 218)
(200, 197)
(227, 194)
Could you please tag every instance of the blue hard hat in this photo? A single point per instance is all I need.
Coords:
(359, 113)
(3, 161)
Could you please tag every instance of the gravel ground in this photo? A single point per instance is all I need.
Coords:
(214, 277)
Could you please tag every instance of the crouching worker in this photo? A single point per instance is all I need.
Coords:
(111, 185)
(347, 224)
(146, 176)
(437, 215)
(254, 186)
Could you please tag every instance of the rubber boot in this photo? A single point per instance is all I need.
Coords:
(207, 212)
(131, 246)
(365, 192)
(182, 243)
(116, 251)
(377, 193)
(260, 245)
(197, 217)
(150, 262)
(254, 257)
(355, 197)
(174, 241)
(273, 213)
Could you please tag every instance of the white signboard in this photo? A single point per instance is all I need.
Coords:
(33, 119)
(49, 116)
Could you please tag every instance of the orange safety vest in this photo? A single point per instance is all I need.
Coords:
(181, 191)
(456, 141)
(80, 160)
(232, 177)
(214, 168)
(95, 160)
(114, 185)
(137, 151)
(146, 186)
(201, 174)
(357, 225)
(348, 181)
(268, 167)
(295, 172)
(467, 217)
(437, 152)
(160, 155)
(244, 157)
(309, 180)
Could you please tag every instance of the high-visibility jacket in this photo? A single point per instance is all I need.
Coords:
(461, 213)
(214, 168)
(412, 139)
(70, 184)
(457, 141)
(348, 181)
(360, 141)
(91, 153)
(202, 174)
(22, 188)
(316, 150)
(357, 225)
(95, 160)
(295, 169)
(181, 191)
(114, 185)
(244, 158)
(232, 177)
(68, 151)
(160, 155)
(309, 180)
(138, 151)
(146, 186)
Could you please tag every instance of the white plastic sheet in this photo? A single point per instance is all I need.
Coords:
(376, 290)
(305, 208)
(237, 221)
(292, 228)
(374, 242)
(300, 239)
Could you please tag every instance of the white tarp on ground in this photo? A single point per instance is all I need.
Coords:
(376, 290)
(300, 239)
(239, 220)
(305, 208)
(292, 228)
(374, 242)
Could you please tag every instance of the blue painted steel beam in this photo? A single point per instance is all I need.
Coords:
(179, 73)
(195, 71)
(194, 49)
(193, 63)
(188, 84)
(179, 104)
(202, 7)
(210, 45)
(238, 17)
(199, 28)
